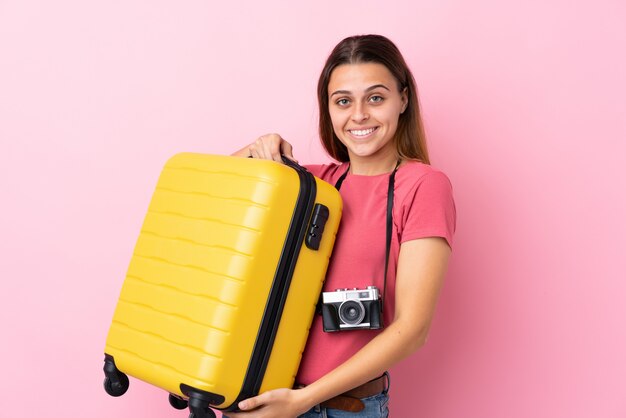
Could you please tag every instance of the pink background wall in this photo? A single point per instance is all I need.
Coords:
(526, 111)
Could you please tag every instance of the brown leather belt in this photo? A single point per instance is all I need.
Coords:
(351, 400)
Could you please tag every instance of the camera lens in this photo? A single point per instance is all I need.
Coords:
(351, 312)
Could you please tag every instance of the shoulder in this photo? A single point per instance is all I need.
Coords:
(413, 174)
(427, 207)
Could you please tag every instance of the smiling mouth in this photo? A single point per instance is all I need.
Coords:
(362, 132)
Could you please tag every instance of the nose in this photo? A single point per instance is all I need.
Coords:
(360, 113)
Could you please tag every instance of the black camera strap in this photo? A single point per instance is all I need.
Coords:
(389, 224)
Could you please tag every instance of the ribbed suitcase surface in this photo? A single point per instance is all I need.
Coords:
(204, 265)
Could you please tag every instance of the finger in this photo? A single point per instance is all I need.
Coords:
(272, 147)
(261, 149)
(254, 153)
(287, 150)
(252, 403)
(267, 150)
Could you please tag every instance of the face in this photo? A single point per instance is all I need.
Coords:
(365, 103)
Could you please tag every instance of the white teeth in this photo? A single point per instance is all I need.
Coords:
(362, 132)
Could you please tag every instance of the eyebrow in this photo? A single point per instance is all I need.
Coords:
(374, 87)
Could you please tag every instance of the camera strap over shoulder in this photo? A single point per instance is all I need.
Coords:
(389, 222)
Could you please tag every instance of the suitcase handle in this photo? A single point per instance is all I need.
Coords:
(319, 215)
(289, 162)
(292, 163)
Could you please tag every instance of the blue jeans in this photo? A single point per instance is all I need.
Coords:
(375, 407)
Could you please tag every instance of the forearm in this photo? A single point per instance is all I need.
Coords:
(395, 343)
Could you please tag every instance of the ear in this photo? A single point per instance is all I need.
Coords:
(404, 95)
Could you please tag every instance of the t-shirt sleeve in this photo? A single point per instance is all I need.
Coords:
(428, 210)
(315, 169)
(326, 172)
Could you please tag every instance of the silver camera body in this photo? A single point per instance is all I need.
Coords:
(350, 309)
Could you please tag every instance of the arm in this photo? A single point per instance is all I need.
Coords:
(269, 147)
(421, 268)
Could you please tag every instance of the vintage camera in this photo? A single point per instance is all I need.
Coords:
(349, 309)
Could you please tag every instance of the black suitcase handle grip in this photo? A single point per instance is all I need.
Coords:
(292, 163)
(289, 162)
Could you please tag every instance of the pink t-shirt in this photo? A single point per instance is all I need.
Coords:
(423, 207)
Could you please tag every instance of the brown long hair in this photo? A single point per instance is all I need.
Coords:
(410, 138)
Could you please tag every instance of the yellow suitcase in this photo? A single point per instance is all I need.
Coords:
(224, 280)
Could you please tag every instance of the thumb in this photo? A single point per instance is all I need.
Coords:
(250, 403)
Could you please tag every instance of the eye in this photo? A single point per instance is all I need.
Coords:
(376, 99)
(343, 102)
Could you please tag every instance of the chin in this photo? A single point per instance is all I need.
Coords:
(363, 153)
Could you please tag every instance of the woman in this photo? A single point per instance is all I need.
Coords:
(370, 123)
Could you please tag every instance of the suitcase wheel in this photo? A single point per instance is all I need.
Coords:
(211, 414)
(115, 382)
(200, 408)
(117, 388)
(177, 402)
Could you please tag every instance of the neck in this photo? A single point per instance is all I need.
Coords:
(369, 167)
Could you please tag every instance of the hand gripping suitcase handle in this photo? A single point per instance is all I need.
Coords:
(289, 162)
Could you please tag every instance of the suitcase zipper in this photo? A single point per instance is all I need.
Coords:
(280, 286)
